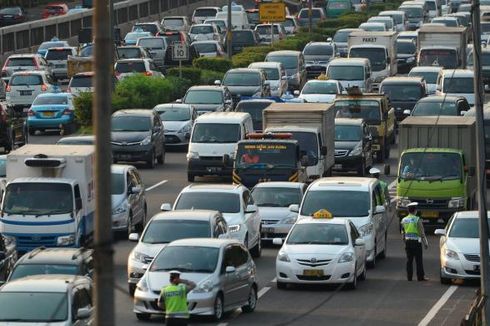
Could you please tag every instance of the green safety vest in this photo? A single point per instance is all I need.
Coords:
(175, 297)
(384, 189)
(410, 227)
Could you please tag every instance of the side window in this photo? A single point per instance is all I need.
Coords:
(247, 199)
(129, 181)
(75, 304)
(216, 230)
(222, 225)
(137, 177)
(85, 299)
(227, 259)
(353, 233)
(241, 255)
(78, 198)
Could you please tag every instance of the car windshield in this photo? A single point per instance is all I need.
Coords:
(347, 133)
(457, 85)
(217, 22)
(318, 234)
(406, 47)
(53, 54)
(431, 5)
(241, 79)
(464, 228)
(215, 201)
(188, 259)
(276, 197)
(376, 56)
(51, 100)
(30, 307)
(447, 22)
(166, 231)
(37, 198)
(308, 145)
(337, 202)
(271, 73)
(205, 47)
(255, 110)
(319, 88)
(369, 111)
(129, 67)
(81, 81)
(266, 156)
(216, 133)
(47, 45)
(373, 27)
(346, 72)
(75, 141)
(397, 18)
(203, 97)
(429, 76)
(318, 50)
(174, 114)
(402, 92)
(288, 61)
(254, 18)
(246, 37)
(20, 80)
(289, 22)
(413, 12)
(338, 5)
(118, 183)
(433, 108)
(173, 22)
(130, 123)
(87, 51)
(24, 270)
(201, 29)
(147, 28)
(152, 43)
(266, 29)
(11, 11)
(315, 13)
(446, 58)
(341, 36)
(431, 166)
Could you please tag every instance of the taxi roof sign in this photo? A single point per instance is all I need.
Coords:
(322, 214)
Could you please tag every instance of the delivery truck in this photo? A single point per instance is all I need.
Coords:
(437, 167)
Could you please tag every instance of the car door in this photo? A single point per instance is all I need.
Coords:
(158, 134)
(244, 270)
(231, 281)
(132, 197)
(358, 250)
(139, 197)
(81, 299)
(379, 219)
(252, 219)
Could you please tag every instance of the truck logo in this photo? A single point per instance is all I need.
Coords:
(313, 260)
(430, 201)
(369, 39)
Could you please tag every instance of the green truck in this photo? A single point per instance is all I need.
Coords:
(437, 167)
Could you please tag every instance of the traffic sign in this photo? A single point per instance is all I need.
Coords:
(180, 51)
(272, 12)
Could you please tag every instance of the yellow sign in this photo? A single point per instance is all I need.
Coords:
(272, 12)
(322, 213)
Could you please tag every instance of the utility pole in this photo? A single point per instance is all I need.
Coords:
(228, 32)
(103, 252)
(480, 168)
(310, 16)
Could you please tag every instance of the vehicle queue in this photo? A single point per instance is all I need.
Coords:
(278, 130)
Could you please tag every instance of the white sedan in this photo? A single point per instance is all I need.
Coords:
(320, 91)
(321, 250)
(460, 247)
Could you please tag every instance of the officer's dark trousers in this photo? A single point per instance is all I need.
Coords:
(414, 250)
(176, 321)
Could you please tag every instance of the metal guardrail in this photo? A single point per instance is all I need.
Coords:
(475, 316)
(18, 38)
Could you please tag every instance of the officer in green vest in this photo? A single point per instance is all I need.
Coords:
(385, 193)
(414, 236)
(174, 298)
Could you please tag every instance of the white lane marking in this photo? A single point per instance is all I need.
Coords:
(435, 309)
(222, 324)
(274, 280)
(156, 185)
(263, 291)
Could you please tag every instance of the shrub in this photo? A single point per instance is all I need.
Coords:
(83, 109)
(189, 73)
(214, 64)
(249, 55)
(209, 76)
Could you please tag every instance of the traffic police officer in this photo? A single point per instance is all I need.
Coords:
(414, 235)
(174, 298)
(385, 193)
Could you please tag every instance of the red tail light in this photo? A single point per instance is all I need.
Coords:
(148, 73)
(44, 87)
(30, 113)
(8, 89)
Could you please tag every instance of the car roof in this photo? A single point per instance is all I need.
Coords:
(44, 283)
(458, 72)
(223, 117)
(246, 70)
(58, 94)
(284, 52)
(312, 220)
(134, 112)
(346, 61)
(426, 68)
(265, 64)
(186, 214)
(29, 72)
(440, 98)
(206, 88)
(172, 106)
(403, 80)
(280, 184)
(468, 214)
(132, 60)
(65, 256)
(348, 121)
(86, 137)
(323, 81)
(347, 183)
(24, 55)
(203, 242)
(219, 187)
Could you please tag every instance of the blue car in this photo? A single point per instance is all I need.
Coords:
(52, 111)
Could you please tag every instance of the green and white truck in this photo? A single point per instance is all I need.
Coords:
(437, 167)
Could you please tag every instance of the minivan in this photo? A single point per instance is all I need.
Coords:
(214, 135)
(457, 82)
(294, 63)
(399, 17)
(403, 92)
(351, 72)
(336, 8)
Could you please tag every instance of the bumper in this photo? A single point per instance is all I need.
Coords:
(135, 271)
(459, 269)
(60, 72)
(208, 166)
(176, 139)
(347, 163)
(278, 230)
(132, 152)
(50, 123)
(28, 242)
(333, 273)
(369, 240)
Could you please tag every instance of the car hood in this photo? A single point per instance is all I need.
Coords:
(157, 280)
(208, 107)
(404, 56)
(129, 136)
(346, 144)
(149, 249)
(464, 245)
(315, 251)
(117, 200)
(233, 218)
(174, 125)
(244, 90)
(318, 98)
(275, 213)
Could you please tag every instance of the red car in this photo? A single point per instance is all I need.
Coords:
(54, 9)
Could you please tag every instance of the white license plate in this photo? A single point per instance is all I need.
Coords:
(267, 230)
(213, 169)
(25, 93)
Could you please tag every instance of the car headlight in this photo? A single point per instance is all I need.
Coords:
(192, 155)
(357, 151)
(146, 141)
(378, 79)
(204, 287)
(410, 59)
(366, 229)
(403, 201)
(119, 209)
(451, 254)
(234, 228)
(142, 285)
(282, 256)
(140, 257)
(346, 257)
(184, 129)
(66, 240)
(456, 202)
(289, 219)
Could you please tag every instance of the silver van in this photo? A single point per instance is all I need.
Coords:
(294, 63)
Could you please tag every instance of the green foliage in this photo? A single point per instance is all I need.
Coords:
(189, 73)
(83, 109)
(249, 55)
(209, 76)
(214, 64)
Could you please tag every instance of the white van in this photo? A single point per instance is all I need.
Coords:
(400, 18)
(239, 19)
(351, 72)
(456, 82)
(213, 135)
(357, 199)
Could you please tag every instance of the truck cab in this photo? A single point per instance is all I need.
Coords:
(268, 157)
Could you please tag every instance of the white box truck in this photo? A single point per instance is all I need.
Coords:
(313, 126)
(379, 48)
(49, 196)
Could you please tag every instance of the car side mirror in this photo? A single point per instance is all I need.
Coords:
(230, 269)
(359, 242)
(134, 237)
(217, 82)
(166, 207)
(294, 208)
(179, 100)
(83, 313)
(406, 112)
(296, 92)
(277, 241)
(2, 255)
(440, 232)
(228, 101)
(251, 209)
(462, 113)
(135, 190)
(379, 209)
(324, 150)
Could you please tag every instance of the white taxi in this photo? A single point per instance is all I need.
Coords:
(321, 250)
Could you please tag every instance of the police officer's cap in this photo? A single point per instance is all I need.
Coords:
(413, 204)
(174, 272)
(374, 171)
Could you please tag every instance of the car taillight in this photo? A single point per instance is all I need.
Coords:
(30, 113)
(148, 73)
(44, 87)
(8, 89)
(67, 112)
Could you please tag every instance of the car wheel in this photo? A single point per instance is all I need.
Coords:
(252, 300)
(161, 157)
(382, 255)
(131, 289)
(281, 285)
(445, 280)
(190, 177)
(256, 251)
(129, 229)
(353, 284)
(143, 317)
(362, 277)
(151, 162)
(218, 307)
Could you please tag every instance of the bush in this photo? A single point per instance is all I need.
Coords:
(83, 109)
(189, 73)
(214, 64)
(249, 55)
(209, 76)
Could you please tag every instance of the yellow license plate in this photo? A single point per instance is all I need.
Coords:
(313, 272)
(376, 147)
(48, 114)
(430, 214)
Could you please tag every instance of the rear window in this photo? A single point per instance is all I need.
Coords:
(152, 43)
(21, 62)
(243, 37)
(173, 37)
(318, 50)
(58, 54)
(54, 9)
(147, 28)
(205, 12)
(26, 80)
(201, 30)
(124, 67)
(51, 100)
(315, 13)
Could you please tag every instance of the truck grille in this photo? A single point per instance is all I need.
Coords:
(313, 278)
(211, 158)
(31, 242)
(431, 203)
(265, 222)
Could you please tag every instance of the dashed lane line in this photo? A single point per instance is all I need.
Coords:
(156, 185)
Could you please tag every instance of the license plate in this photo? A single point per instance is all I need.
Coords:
(267, 230)
(213, 169)
(313, 272)
(337, 166)
(25, 93)
(48, 114)
(430, 214)
(59, 66)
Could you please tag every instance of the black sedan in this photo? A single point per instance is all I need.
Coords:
(12, 16)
